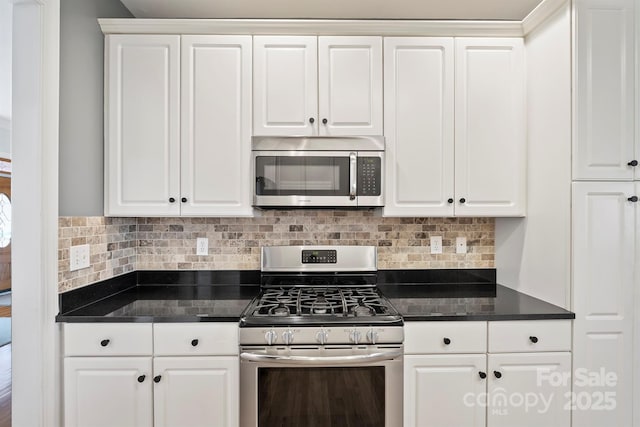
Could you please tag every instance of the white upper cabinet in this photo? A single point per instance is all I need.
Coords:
(419, 88)
(603, 147)
(475, 167)
(142, 133)
(490, 165)
(285, 85)
(350, 85)
(305, 85)
(178, 125)
(216, 125)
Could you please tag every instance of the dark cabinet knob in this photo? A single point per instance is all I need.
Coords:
(497, 374)
(633, 199)
(194, 342)
(462, 200)
(450, 200)
(184, 200)
(141, 378)
(172, 200)
(533, 339)
(324, 121)
(157, 378)
(446, 341)
(633, 163)
(311, 120)
(483, 375)
(105, 343)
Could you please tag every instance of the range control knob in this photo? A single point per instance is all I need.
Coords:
(355, 336)
(271, 337)
(322, 336)
(372, 336)
(287, 336)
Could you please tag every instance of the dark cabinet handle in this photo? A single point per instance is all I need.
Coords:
(483, 375)
(105, 343)
(141, 378)
(450, 200)
(172, 200)
(497, 374)
(311, 120)
(194, 342)
(157, 378)
(184, 200)
(447, 341)
(533, 339)
(633, 163)
(462, 200)
(633, 199)
(324, 121)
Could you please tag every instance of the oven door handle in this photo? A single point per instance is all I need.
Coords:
(328, 360)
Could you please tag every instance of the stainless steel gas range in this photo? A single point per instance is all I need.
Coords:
(320, 346)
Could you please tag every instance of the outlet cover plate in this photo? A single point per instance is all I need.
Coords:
(436, 244)
(461, 245)
(202, 246)
(79, 257)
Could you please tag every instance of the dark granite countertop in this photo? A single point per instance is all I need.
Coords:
(221, 296)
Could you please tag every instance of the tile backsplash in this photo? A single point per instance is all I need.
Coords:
(119, 245)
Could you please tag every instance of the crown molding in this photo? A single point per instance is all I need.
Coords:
(540, 14)
(313, 27)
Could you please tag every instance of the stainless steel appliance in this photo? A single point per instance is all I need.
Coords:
(320, 346)
(318, 171)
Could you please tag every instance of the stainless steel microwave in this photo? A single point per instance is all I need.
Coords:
(318, 171)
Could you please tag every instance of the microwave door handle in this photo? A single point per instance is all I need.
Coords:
(353, 172)
(330, 360)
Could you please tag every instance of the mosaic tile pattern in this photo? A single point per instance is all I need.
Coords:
(234, 243)
(112, 244)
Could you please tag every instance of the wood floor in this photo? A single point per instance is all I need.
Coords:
(5, 311)
(5, 386)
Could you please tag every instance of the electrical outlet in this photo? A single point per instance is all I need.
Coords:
(79, 257)
(461, 245)
(202, 246)
(436, 244)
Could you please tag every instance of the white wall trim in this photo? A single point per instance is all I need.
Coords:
(348, 27)
(5, 123)
(36, 361)
(540, 14)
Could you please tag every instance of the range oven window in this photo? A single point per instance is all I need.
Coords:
(302, 176)
(321, 397)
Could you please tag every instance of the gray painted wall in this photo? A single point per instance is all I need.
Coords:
(81, 104)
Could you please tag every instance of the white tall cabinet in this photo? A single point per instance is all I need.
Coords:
(328, 85)
(178, 125)
(455, 127)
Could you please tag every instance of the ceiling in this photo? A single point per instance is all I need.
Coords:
(511, 10)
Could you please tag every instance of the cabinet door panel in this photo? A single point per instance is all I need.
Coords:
(419, 126)
(350, 85)
(285, 85)
(603, 283)
(444, 390)
(142, 135)
(216, 128)
(490, 166)
(196, 392)
(525, 395)
(105, 392)
(605, 67)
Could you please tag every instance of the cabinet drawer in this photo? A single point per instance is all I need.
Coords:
(445, 337)
(108, 339)
(179, 339)
(529, 335)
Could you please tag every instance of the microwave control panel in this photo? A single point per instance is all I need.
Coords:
(369, 176)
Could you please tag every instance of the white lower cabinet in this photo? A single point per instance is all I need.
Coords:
(107, 392)
(443, 390)
(104, 386)
(196, 391)
(516, 388)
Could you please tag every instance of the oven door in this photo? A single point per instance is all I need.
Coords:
(330, 386)
(305, 178)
